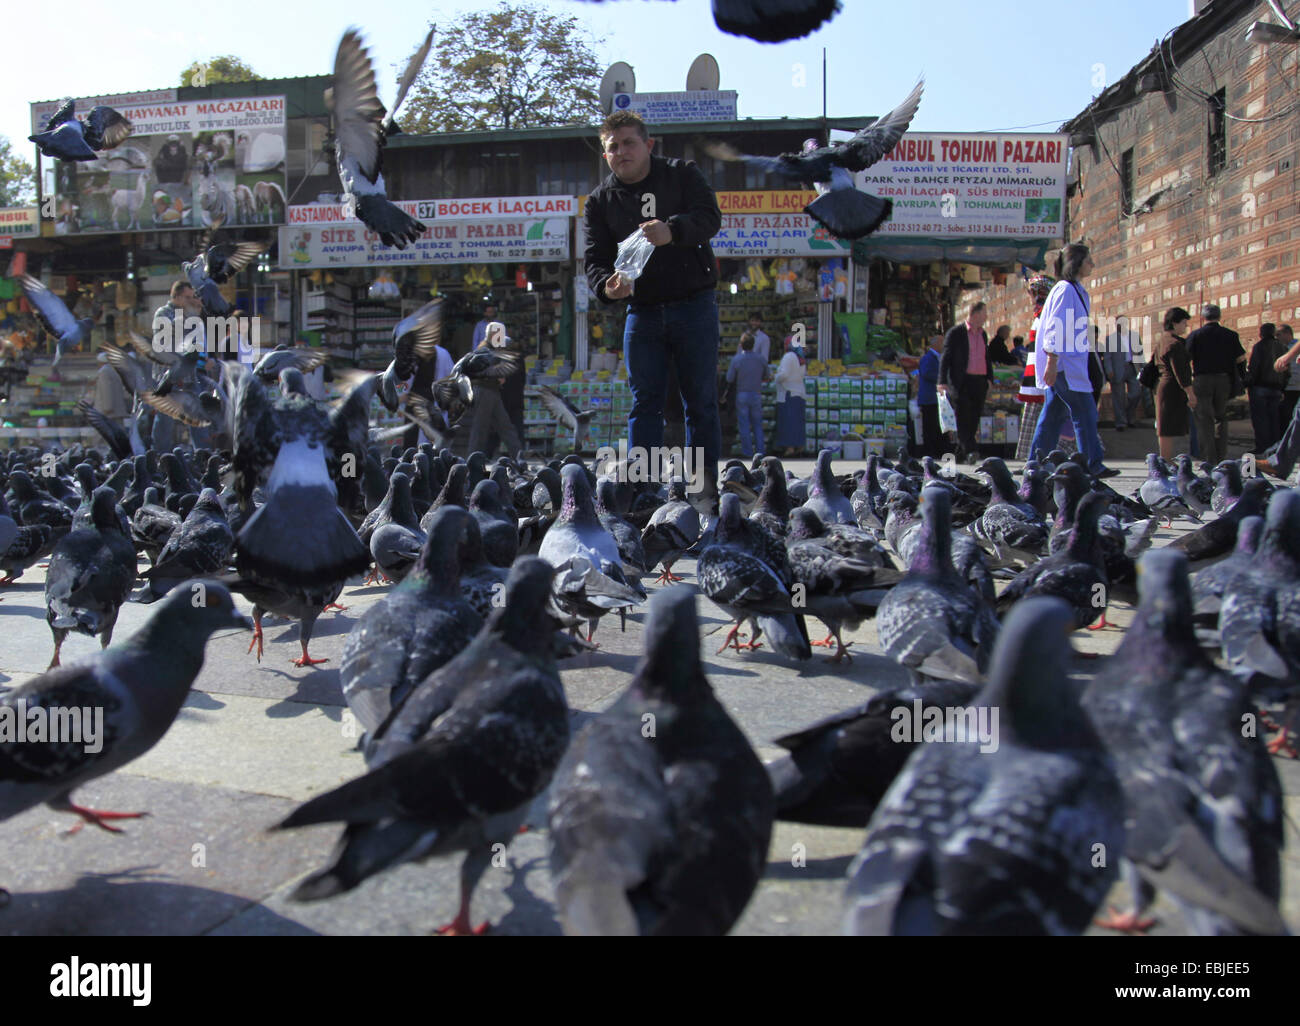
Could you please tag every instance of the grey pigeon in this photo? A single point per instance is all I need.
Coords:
(417, 627)
(68, 331)
(201, 546)
(139, 684)
(456, 767)
(673, 528)
(67, 138)
(90, 576)
(1211, 583)
(1227, 486)
(931, 622)
(1220, 535)
(661, 814)
(996, 832)
(824, 495)
(1203, 801)
(1160, 492)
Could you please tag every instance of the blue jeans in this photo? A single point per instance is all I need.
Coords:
(685, 332)
(1081, 410)
(749, 417)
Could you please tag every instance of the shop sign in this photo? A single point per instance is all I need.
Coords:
(972, 185)
(693, 105)
(20, 221)
(763, 235)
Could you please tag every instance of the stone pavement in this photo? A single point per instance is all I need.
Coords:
(254, 741)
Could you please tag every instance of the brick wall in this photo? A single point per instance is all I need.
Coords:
(1230, 239)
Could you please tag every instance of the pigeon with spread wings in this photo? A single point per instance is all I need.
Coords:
(69, 139)
(841, 209)
(359, 133)
(415, 341)
(67, 329)
(565, 412)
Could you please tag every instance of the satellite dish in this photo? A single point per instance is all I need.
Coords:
(703, 74)
(620, 78)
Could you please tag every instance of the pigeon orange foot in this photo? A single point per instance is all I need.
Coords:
(461, 926)
(843, 653)
(334, 606)
(257, 640)
(97, 817)
(1281, 745)
(306, 660)
(667, 577)
(826, 642)
(1128, 922)
(1102, 625)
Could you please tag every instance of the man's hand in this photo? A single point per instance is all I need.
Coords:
(1191, 399)
(616, 287)
(657, 232)
(1049, 375)
(1281, 364)
(941, 389)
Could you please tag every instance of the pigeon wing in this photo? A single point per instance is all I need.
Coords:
(873, 142)
(358, 114)
(52, 309)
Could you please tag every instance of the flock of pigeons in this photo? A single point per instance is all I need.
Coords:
(1157, 768)
(974, 583)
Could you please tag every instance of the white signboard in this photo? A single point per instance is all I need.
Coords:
(774, 235)
(972, 185)
(695, 105)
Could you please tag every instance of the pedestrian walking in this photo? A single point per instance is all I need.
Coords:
(490, 414)
(1031, 396)
(1122, 372)
(1265, 386)
(1291, 396)
(1217, 359)
(480, 329)
(790, 400)
(747, 373)
(1064, 351)
(1176, 397)
(672, 318)
(965, 373)
(1282, 458)
(927, 398)
(762, 341)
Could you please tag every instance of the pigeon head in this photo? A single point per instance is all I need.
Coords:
(453, 492)
(1228, 472)
(1165, 596)
(210, 503)
(1254, 498)
(1086, 516)
(24, 490)
(1004, 485)
(1249, 532)
(523, 621)
(677, 490)
(1027, 676)
(486, 497)
(477, 467)
(730, 520)
(187, 616)
(933, 553)
(439, 563)
(805, 524)
(548, 480)
(85, 475)
(605, 498)
(671, 667)
(823, 481)
(103, 510)
(292, 382)
(576, 505)
(775, 495)
(1153, 465)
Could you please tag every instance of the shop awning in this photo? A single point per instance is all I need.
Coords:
(958, 249)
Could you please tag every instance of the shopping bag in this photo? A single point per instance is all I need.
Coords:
(633, 254)
(947, 415)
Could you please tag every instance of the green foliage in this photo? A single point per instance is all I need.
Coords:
(17, 178)
(218, 69)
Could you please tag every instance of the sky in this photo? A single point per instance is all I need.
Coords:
(992, 65)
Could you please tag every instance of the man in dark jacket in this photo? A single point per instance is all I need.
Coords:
(965, 372)
(672, 306)
(1215, 352)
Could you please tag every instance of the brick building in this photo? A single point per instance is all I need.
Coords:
(1183, 180)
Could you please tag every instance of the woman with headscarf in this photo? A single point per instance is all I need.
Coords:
(790, 399)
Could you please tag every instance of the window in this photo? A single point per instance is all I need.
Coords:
(1218, 143)
(1126, 182)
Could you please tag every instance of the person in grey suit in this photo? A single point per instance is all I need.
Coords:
(1122, 373)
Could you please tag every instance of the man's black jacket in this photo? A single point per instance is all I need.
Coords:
(956, 356)
(683, 200)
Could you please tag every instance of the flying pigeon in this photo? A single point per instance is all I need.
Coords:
(67, 330)
(358, 121)
(841, 209)
(660, 814)
(772, 21)
(69, 139)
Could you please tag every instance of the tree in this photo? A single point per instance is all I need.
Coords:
(518, 66)
(17, 178)
(219, 69)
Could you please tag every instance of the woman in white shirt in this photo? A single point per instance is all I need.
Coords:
(790, 400)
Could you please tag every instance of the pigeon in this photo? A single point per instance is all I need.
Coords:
(23, 550)
(996, 832)
(152, 524)
(626, 537)
(67, 138)
(566, 414)
(497, 528)
(200, 546)
(213, 267)
(1160, 492)
(1227, 486)
(422, 624)
(139, 685)
(747, 572)
(68, 331)
(416, 338)
(121, 444)
(456, 767)
(90, 576)
(842, 209)
(589, 581)
(661, 814)
(396, 543)
(1219, 536)
(824, 496)
(1197, 492)
(673, 528)
(931, 622)
(836, 771)
(1011, 529)
(358, 124)
(1210, 584)
(1203, 801)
